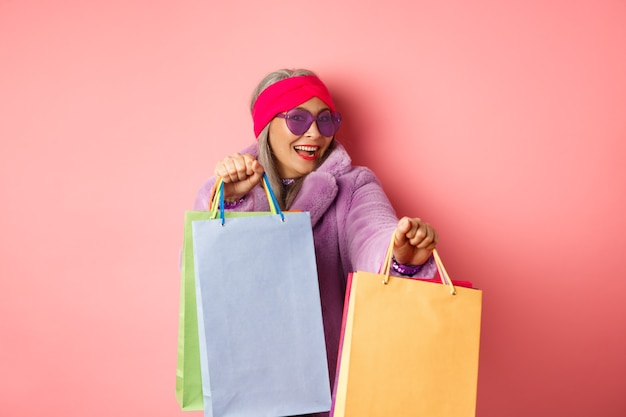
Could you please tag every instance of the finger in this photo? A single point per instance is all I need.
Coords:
(252, 164)
(222, 170)
(257, 174)
(257, 167)
(229, 173)
(232, 169)
(430, 240)
(403, 227)
(255, 171)
(414, 233)
(426, 234)
(418, 233)
(249, 161)
(240, 167)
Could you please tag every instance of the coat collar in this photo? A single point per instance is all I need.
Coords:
(319, 188)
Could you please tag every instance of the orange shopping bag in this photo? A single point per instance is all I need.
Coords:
(409, 347)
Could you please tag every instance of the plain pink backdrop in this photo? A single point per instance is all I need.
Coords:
(502, 123)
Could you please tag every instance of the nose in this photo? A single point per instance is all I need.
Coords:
(313, 131)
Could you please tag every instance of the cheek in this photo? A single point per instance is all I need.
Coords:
(279, 135)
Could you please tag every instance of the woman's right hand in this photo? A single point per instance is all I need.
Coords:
(241, 173)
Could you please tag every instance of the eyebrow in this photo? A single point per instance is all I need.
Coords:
(302, 108)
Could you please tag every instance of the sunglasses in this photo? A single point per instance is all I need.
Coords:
(300, 120)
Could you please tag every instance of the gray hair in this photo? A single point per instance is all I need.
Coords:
(284, 196)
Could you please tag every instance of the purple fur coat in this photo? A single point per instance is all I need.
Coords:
(352, 221)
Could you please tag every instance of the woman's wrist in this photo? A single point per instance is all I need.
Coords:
(404, 269)
(233, 203)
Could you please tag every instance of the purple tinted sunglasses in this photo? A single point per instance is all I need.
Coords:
(300, 120)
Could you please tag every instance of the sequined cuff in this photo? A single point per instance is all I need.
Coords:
(229, 205)
(402, 269)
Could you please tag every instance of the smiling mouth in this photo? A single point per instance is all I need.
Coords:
(306, 151)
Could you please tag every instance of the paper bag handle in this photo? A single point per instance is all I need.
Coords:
(443, 274)
(217, 199)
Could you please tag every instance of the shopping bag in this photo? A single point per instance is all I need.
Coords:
(409, 347)
(188, 373)
(262, 347)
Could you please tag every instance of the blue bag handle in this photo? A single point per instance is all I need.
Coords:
(218, 200)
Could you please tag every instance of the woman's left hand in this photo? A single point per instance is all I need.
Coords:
(414, 241)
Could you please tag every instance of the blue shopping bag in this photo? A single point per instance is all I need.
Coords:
(188, 369)
(262, 348)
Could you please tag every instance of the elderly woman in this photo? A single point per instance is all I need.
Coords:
(295, 122)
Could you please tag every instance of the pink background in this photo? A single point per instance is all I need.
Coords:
(502, 124)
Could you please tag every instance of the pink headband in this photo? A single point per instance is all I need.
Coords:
(285, 95)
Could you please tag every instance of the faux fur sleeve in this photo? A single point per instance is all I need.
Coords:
(370, 221)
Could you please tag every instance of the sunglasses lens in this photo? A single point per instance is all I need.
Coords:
(325, 123)
(299, 121)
